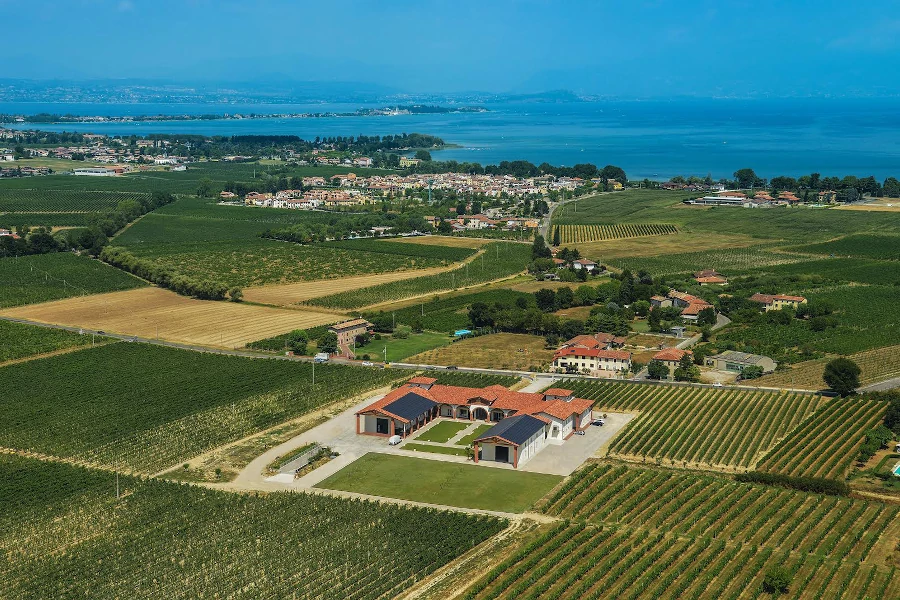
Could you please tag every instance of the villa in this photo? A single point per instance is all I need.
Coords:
(525, 422)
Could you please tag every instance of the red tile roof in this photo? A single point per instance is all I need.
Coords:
(495, 396)
(671, 354)
(423, 380)
(558, 392)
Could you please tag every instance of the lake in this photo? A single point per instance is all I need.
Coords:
(655, 139)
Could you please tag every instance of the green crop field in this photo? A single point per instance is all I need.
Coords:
(445, 253)
(475, 380)
(21, 341)
(651, 533)
(866, 317)
(730, 261)
(884, 247)
(147, 407)
(450, 313)
(827, 444)
(64, 534)
(43, 277)
(36, 219)
(36, 200)
(698, 426)
(500, 259)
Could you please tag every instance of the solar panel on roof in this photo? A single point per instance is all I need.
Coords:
(409, 406)
(515, 429)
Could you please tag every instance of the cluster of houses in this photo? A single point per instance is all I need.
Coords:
(482, 221)
(758, 199)
(309, 199)
(690, 305)
(524, 423)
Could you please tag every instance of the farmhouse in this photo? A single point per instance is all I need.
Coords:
(606, 341)
(347, 331)
(597, 361)
(777, 302)
(526, 422)
(690, 305)
(710, 277)
(671, 357)
(735, 362)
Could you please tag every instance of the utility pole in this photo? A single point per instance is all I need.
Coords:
(314, 373)
(385, 354)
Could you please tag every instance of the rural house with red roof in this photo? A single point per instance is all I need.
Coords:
(671, 357)
(778, 302)
(525, 422)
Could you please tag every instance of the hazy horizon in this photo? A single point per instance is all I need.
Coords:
(645, 49)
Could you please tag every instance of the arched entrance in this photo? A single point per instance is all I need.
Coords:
(480, 414)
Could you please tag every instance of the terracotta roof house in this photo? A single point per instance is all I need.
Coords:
(552, 416)
(671, 357)
(596, 361)
(598, 340)
(777, 302)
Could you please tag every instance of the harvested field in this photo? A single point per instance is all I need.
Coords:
(293, 293)
(877, 365)
(144, 312)
(496, 351)
(444, 240)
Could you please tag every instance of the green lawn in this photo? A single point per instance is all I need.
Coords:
(398, 349)
(479, 431)
(640, 326)
(442, 432)
(423, 480)
(435, 449)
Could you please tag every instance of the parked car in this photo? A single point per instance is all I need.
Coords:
(452, 368)
(598, 422)
(394, 440)
(367, 363)
(718, 384)
(580, 432)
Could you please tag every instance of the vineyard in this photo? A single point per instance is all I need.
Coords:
(50, 201)
(63, 534)
(474, 380)
(719, 429)
(826, 445)
(146, 408)
(731, 261)
(43, 277)
(651, 533)
(884, 247)
(500, 259)
(579, 234)
(375, 246)
(877, 365)
(20, 341)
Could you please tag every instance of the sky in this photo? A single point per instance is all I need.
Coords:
(619, 48)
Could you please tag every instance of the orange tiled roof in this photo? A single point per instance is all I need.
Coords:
(671, 354)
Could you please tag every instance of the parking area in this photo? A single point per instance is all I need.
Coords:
(568, 456)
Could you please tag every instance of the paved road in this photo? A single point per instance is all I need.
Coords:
(882, 386)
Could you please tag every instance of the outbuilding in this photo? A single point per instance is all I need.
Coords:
(513, 440)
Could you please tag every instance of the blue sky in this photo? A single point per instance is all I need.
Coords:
(626, 49)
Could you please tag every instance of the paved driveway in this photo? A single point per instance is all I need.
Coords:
(568, 456)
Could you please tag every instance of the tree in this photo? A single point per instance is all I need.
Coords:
(707, 316)
(556, 237)
(777, 580)
(641, 308)
(564, 297)
(444, 228)
(657, 370)
(842, 376)
(687, 370)
(546, 299)
(204, 187)
(751, 372)
(328, 343)
(539, 248)
(423, 155)
(235, 294)
(746, 178)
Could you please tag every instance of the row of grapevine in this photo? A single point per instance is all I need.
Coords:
(727, 260)
(719, 429)
(826, 445)
(64, 534)
(145, 408)
(650, 533)
(713, 507)
(499, 260)
(20, 340)
(579, 234)
(62, 200)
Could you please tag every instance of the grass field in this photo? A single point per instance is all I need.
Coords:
(423, 480)
(884, 247)
(65, 535)
(399, 349)
(451, 450)
(152, 312)
(653, 533)
(21, 341)
(827, 444)
(45, 277)
(448, 241)
(699, 427)
(442, 431)
(147, 407)
(294, 293)
(517, 351)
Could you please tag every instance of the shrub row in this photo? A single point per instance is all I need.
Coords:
(161, 276)
(817, 485)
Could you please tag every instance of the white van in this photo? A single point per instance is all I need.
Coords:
(394, 440)
(321, 357)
